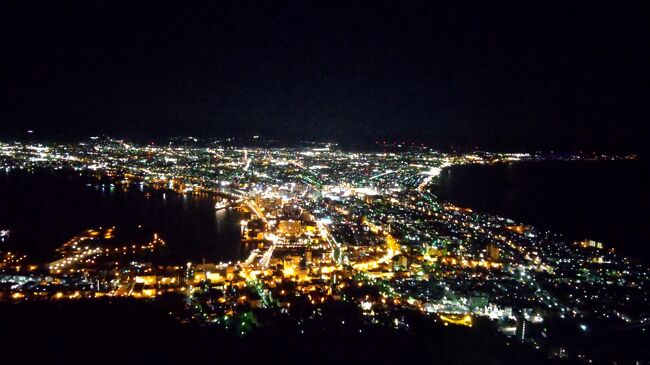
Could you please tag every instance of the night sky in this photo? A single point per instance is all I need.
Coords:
(497, 75)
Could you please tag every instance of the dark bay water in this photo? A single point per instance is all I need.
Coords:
(44, 209)
(606, 201)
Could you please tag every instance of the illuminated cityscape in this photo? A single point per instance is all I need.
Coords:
(332, 236)
(325, 182)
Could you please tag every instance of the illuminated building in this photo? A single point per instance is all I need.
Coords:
(290, 227)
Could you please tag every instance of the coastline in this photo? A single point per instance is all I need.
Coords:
(504, 185)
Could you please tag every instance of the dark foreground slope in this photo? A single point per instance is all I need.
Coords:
(126, 331)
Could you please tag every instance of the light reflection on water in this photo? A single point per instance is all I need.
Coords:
(45, 209)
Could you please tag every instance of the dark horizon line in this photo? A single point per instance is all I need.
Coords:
(374, 145)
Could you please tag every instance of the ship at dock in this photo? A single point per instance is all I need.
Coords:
(224, 203)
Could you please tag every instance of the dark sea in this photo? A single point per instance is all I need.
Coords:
(607, 201)
(44, 209)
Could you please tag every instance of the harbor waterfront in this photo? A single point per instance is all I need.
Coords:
(43, 209)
